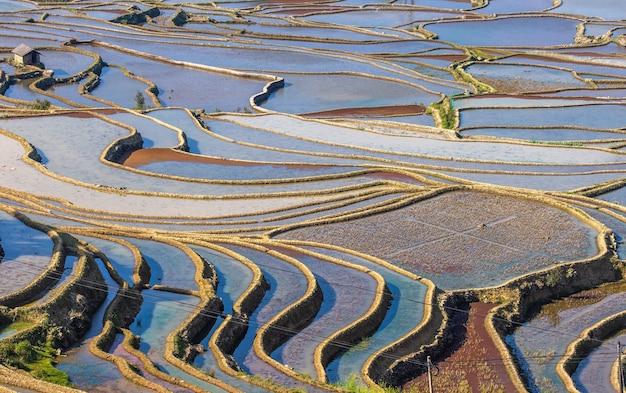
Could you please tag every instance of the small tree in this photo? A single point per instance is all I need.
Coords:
(7, 354)
(25, 352)
(41, 105)
(140, 102)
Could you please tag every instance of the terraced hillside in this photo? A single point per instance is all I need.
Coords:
(300, 196)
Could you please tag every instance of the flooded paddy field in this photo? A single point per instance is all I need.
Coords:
(312, 196)
(559, 323)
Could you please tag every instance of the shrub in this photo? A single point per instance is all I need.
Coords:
(553, 278)
(140, 102)
(25, 352)
(37, 360)
(7, 355)
(41, 105)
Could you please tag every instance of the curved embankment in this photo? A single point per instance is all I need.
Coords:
(589, 339)
(522, 292)
(517, 296)
(122, 147)
(62, 319)
(378, 367)
(102, 343)
(230, 332)
(14, 378)
(166, 381)
(273, 82)
(377, 363)
(292, 319)
(234, 328)
(48, 277)
(282, 326)
(120, 313)
(475, 347)
(45, 80)
(69, 311)
(289, 378)
(44, 83)
(180, 345)
(365, 325)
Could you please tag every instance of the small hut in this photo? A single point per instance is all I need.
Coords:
(25, 55)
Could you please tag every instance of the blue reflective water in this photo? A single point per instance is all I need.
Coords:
(508, 32)
(537, 339)
(595, 372)
(120, 256)
(405, 313)
(348, 295)
(7, 5)
(87, 371)
(118, 88)
(169, 265)
(600, 8)
(27, 253)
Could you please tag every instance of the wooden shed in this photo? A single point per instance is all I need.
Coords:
(25, 55)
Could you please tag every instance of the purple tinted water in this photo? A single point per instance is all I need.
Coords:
(508, 32)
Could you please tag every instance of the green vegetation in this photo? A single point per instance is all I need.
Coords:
(478, 3)
(552, 311)
(556, 143)
(140, 102)
(38, 359)
(553, 278)
(429, 35)
(16, 326)
(41, 105)
(391, 207)
(460, 74)
(444, 112)
(490, 387)
(479, 55)
(351, 384)
(179, 346)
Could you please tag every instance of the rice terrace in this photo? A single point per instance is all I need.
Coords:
(312, 196)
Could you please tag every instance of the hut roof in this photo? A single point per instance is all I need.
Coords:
(22, 50)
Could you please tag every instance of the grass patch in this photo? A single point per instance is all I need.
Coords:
(44, 369)
(15, 326)
(446, 113)
(556, 143)
(38, 360)
(351, 384)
